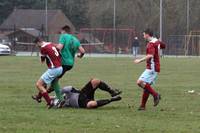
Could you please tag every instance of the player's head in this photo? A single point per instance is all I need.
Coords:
(148, 33)
(38, 41)
(66, 29)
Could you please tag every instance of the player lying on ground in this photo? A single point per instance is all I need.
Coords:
(53, 60)
(84, 98)
(149, 76)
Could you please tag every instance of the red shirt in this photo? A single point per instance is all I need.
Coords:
(160, 44)
(152, 48)
(53, 58)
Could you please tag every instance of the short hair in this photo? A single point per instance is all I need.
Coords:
(149, 32)
(66, 28)
(38, 39)
(157, 36)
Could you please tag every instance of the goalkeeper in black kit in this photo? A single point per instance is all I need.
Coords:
(84, 98)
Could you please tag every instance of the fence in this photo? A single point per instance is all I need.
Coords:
(107, 40)
(110, 41)
(188, 45)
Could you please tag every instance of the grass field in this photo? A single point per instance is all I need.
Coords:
(178, 111)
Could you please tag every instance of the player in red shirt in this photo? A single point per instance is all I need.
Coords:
(53, 60)
(149, 76)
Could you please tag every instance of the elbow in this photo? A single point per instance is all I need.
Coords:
(149, 56)
(59, 46)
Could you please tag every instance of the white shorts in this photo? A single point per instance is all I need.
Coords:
(148, 76)
(51, 74)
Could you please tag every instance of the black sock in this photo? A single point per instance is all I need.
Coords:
(103, 102)
(103, 86)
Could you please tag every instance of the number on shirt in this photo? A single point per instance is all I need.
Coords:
(56, 51)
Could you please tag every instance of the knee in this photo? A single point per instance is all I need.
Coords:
(95, 82)
(39, 85)
(139, 83)
(91, 104)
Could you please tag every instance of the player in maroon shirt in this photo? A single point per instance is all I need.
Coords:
(149, 76)
(53, 60)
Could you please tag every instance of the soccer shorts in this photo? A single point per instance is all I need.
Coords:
(148, 76)
(86, 95)
(51, 74)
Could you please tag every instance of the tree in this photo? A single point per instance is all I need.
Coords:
(75, 10)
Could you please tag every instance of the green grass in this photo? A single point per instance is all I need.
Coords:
(178, 111)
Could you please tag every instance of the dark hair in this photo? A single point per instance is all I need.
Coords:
(66, 28)
(38, 39)
(157, 36)
(149, 32)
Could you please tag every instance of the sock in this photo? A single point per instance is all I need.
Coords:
(46, 97)
(56, 88)
(150, 90)
(39, 96)
(103, 86)
(103, 102)
(145, 97)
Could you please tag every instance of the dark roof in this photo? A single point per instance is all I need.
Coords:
(28, 18)
(30, 31)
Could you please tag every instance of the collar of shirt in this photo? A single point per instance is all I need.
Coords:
(153, 39)
(45, 44)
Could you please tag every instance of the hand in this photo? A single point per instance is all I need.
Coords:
(42, 62)
(136, 61)
(80, 55)
(42, 59)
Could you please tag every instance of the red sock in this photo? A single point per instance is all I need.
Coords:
(145, 97)
(150, 90)
(46, 97)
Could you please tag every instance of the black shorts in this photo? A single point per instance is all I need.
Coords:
(86, 95)
(65, 69)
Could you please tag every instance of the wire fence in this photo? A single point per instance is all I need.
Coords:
(107, 41)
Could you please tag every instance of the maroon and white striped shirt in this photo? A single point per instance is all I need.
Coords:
(152, 48)
(53, 58)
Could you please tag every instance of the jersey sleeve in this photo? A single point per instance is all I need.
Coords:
(62, 39)
(76, 42)
(162, 45)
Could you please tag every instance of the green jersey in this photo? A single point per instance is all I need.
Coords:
(71, 45)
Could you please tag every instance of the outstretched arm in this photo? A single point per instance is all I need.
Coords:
(143, 59)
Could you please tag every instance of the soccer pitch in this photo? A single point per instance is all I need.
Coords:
(178, 111)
